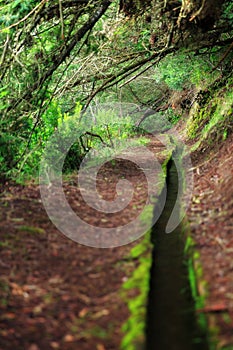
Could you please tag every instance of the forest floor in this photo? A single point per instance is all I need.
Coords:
(54, 292)
(58, 294)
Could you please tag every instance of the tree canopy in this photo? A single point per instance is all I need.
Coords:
(71, 51)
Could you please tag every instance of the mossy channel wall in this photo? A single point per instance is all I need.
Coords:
(163, 314)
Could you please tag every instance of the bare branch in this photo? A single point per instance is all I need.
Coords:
(60, 57)
(62, 19)
(115, 79)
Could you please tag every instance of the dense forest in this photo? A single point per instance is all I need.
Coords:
(86, 80)
(60, 56)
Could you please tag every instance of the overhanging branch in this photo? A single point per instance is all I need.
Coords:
(125, 72)
(66, 51)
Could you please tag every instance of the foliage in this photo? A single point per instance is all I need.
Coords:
(228, 12)
(172, 116)
(183, 70)
(100, 131)
(195, 277)
(214, 119)
(55, 53)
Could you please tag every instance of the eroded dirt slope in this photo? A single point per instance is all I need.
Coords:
(211, 218)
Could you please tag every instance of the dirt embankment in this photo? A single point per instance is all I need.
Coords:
(211, 221)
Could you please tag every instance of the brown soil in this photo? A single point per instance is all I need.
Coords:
(56, 293)
(211, 219)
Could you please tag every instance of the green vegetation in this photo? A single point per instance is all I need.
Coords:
(59, 56)
(211, 119)
(183, 70)
(134, 327)
(31, 229)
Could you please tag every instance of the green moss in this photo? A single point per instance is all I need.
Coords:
(199, 289)
(226, 318)
(134, 327)
(211, 118)
(139, 249)
(31, 229)
(199, 118)
(197, 284)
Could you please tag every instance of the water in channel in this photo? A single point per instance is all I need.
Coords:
(171, 322)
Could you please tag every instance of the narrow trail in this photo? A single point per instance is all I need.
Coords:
(55, 293)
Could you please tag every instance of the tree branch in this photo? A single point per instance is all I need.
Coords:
(129, 70)
(61, 56)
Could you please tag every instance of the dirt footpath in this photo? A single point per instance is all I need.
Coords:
(56, 293)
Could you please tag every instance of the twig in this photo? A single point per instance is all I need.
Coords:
(109, 136)
(136, 76)
(96, 135)
(115, 79)
(62, 20)
(24, 18)
(61, 56)
(25, 157)
(170, 35)
(223, 57)
(5, 49)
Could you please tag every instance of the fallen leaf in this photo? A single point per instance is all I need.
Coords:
(33, 347)
(38, 309)
(68, 338)
(101, 313)
(65, 297)
(16, 289)
(54, 345)
(100, 347)
(83, 312)
(55, 280)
